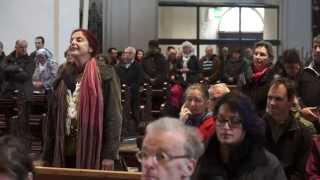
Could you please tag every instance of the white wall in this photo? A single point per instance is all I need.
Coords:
(129, 23)
(52, 19)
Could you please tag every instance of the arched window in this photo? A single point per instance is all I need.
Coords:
(251, 20)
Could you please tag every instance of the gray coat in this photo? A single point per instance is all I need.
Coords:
(47, 76)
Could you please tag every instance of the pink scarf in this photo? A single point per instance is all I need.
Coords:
(89, 138)
(257, 75)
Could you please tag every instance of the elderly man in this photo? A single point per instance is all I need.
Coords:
(130, 73)
(170, 150)
(287, 137)
(216, 91)
(18, 68)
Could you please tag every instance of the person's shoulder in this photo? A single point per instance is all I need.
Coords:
(107, 71)
(272, 162)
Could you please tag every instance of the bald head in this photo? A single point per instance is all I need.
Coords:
(21, 47)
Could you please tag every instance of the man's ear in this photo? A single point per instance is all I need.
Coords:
(189, 167)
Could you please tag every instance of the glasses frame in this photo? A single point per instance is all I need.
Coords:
(170, 157)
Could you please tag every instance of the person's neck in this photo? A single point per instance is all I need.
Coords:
(82, 61)
(225, 152)
(280, 120)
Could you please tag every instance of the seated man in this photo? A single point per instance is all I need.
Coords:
(170, 150)
(287, 137)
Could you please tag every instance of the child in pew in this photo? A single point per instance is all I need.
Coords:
(15, 162)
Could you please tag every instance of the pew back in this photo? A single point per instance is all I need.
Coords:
(49, 173)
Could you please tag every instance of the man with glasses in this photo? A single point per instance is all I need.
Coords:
(287, 137)
(170, 150)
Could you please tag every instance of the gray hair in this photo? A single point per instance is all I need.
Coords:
(193, 144)
(1, 45)
(132, 49)
(221, 86)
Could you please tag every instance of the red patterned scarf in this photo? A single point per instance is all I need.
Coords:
(89, 139)
(259, 74)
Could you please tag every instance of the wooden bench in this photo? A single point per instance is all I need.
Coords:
(48, 173)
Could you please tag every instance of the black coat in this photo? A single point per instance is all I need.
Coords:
(193, 76)
(258, 91)
(247, 162)
(131, 76)
(17, 75)
(155, 67)
(309, 87)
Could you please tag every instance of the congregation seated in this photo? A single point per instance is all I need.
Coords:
(237, 152)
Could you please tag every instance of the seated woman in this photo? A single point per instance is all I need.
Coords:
(236, 152)
(15, 162)
(194, 111)
(45, 71)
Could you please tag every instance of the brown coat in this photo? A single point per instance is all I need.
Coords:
(112, 118)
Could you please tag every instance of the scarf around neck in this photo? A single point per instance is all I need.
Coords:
(89, 137)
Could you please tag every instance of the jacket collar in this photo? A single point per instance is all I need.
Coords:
(310, 67)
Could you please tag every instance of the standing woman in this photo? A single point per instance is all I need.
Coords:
(237, 152)
(194, 111)
(84, 125)
(262, 74)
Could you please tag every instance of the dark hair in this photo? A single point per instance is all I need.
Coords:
(41, 38)
(288, 83)
(93, 43)
(111, 49)
(316, 39)
(268, 46)
(153, 44)
(251, 122)
(291, 56)
(15, 161)
(170, 47)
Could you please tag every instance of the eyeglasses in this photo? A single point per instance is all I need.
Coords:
(161, 157)
(232, 122)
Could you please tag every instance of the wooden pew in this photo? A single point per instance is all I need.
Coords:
(49, 173)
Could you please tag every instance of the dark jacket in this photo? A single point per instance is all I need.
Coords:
(313, 162)
(309, 86)
(17, 75)
(131, 76)
(193, 76)
(292, 147)
(257, 90)
(154, 66)
(232, 70)
(247, 162)
(112, 113)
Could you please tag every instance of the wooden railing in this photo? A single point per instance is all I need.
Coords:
(48, 173)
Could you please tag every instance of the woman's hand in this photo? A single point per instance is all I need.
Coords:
(184, 113)
(310, 113)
